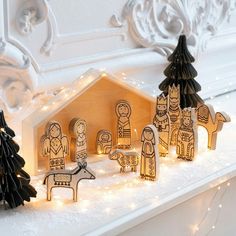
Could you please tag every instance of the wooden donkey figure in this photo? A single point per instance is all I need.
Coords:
(67, 179)
(213, 122)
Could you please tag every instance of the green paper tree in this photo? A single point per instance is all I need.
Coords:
(14, 181)
(181, 72)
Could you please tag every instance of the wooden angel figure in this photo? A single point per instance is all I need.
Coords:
(149, 168)
(55, 146)
(212, 121)
(77, 129)
(162, 122)
(123, 112)
(187, 135)
(104, 142)
(174, 112)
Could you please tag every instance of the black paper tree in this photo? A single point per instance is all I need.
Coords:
(14, 181)
(181, 72)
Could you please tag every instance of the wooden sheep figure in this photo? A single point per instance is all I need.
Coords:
(77, 129)
(104, 142)
(125, 158)
(123, 112)
(187, 135)
(212, 122)
(149, 167)
(162, 123)
(67, 179)
(55, 146)
(174, 112)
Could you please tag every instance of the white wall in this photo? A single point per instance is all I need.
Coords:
(48, 44)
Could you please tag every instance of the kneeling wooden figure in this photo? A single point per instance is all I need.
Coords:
(125, 158)
(67, 179)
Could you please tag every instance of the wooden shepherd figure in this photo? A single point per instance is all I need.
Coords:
(55, 146)
(162, 123)
(174, 112)
(187, 135)
(123, 112)
(149, 168)
(78, 141)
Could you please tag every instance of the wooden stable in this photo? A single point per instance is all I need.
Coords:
(94, 101)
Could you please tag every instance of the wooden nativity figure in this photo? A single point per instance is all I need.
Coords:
(162, 123)
(123, 112)
(212, 121)
(149, 167)
(55, 146)
(187, 135)
(78, 141)
(104, 142)
(174, 112)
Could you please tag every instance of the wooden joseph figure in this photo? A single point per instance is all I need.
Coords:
(174, 112)
(187, 135)
(78, 141)
(123, 112)
(149, 168)
(162, 122)
(55, 146)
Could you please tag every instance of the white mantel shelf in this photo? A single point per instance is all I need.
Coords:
(114, 203)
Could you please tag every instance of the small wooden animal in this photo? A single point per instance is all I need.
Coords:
(174, 112)
(67, 179)
(212, 122)
(187, 135)
(123, 112)
(162, 122)
(149, 167)
(55, 146)
(104, 142)
(77, 129)
(125, 158)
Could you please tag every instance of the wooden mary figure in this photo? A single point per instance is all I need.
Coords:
(149, 168)
(78, 141)
(162, 122)
(55, 146)
(187, 135)
(123, 112)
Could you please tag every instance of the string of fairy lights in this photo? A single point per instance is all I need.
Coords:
(216, 201)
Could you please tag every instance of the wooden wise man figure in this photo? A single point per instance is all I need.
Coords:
(55, 146)
(78, 141)
(104, 142)
(149, 168)
(123, 112)
(187, 135)
(174, 112)
(162, 122)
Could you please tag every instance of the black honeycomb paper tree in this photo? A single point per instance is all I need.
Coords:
(15, 185)
(181, 72)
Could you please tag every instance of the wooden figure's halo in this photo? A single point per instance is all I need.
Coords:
(74, 124)
(123, 102)
(50, 125)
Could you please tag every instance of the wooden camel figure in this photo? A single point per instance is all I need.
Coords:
(67, 179)
(212, 121)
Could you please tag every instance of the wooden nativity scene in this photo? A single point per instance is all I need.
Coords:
(103, 117)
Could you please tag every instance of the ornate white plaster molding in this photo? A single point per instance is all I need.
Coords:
(158, 23)
(30, 14)
(17, 78)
